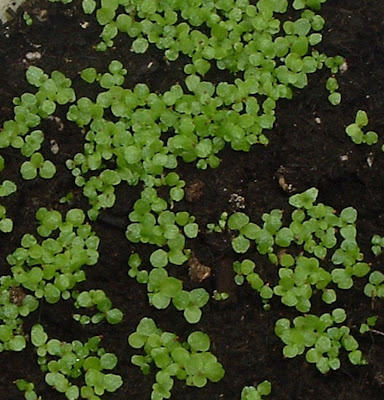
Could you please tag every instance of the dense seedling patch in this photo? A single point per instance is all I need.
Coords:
(135, 136)
(190, 361)
(325, 250)
(65, 362)
(324, 339)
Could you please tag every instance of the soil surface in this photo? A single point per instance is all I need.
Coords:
(308, 147)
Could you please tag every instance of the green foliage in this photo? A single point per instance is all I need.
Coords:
(377, 244)
(6, 189)
(256, 393)
(190, 361)
(220, 296)
(355, 130)
(314, 228)
(314, 4)
(98, 299)
(375, 286)
(334, 96)
(245, 271)
(31, 108)
(50, 269)
(28, 388)
(65, 362)
(37, 166)
(27, 18)
(369, 323)
(136, 136)
(152, 222)
(323, 339)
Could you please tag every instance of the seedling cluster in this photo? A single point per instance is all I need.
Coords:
(314, 228)
(137, 137)
(190, 361)
(64, 362)
(323, 339)
(98, 299)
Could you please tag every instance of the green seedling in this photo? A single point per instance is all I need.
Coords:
(65, 362)
(256, 393)
(6, 189)
(32, 143)
(27, 18)
(355, 130)
(220, 296)
(190, 361)
(98, 299)
(295, 284)
(53, 267)
(154, 223)
(369, 324)
(68, 198)
(375, 286)
(314, 4)
(245, 270)
(323, 339)
(314, 228)
(335, 64)
(164, 289)
(334, 97)
(220, 226)
(377, 244)
(37, 166)
(28, 388)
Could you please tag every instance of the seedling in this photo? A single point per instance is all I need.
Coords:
(138, 136)
(368, 325)
(323, 338)
(355, 130)
(375, 286)
(246, 270)
(377, 244)
(98, 299)
(27, 18)
(64, 362)
(28, 388)
(220, 226)
(256, 393)
(37, 166)
(190, 361)
(220, 296)
(53, 267)
(314, 4)
(6, 189)
(334, 97)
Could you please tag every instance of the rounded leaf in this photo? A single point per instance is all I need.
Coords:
(199, 341)
(38, 335)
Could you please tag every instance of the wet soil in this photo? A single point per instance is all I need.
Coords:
(308, 147)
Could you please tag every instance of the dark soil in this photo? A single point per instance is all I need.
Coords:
(301, 151)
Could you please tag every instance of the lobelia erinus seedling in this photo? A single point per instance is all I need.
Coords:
(323, 338)
(190, 361)
(356, 133)
(64, 362)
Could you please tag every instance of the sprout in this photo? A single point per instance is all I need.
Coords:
(355, 131)
(256, 393)
(190, 361)
(37, 166)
